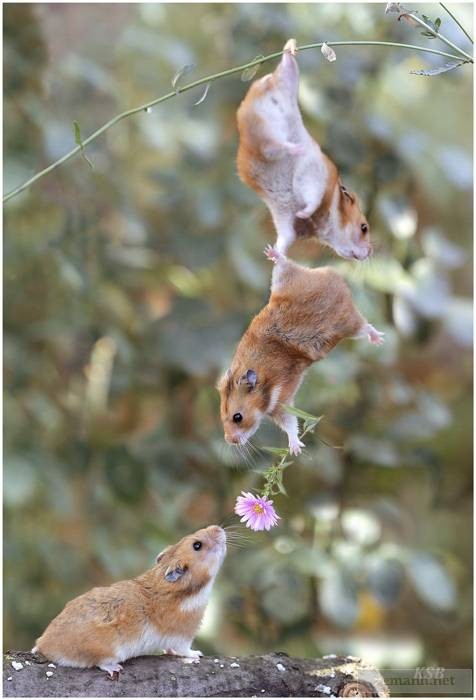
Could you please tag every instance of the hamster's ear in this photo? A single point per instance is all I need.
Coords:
(174, 573)
(161, 554)
(347, 194)
(249, 378)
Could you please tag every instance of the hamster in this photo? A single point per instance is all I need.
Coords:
(159, 610)
(278, 158)
(309, 312)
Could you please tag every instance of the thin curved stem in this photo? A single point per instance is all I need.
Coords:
(442, 38)
(457, 21)
(208, 79)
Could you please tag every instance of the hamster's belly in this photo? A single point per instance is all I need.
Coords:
(149, 641)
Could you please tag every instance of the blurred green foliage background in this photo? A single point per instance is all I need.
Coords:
(127, 288)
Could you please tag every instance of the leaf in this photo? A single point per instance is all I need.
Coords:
(385, 577)
(79, 142)
(338, 597)
(250, 72)
(302, 414)
(204, 95)
(328, 52)
(432, 582)
(439, 69)
(278, 451)
(181, 72)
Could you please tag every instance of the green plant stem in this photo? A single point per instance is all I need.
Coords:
(442, 38)
(266, 492)
(457, 21)
(202, 81)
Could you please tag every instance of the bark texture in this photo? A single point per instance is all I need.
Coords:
(273, 675)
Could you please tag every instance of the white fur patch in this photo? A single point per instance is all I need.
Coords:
(150, 641)
(64, 661)
(274, 398)
(199, 600)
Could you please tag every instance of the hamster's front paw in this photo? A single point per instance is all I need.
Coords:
(375, 337)
(273, 254)
(295, 149)
(295, 446)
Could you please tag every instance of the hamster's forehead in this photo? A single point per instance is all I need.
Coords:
(201, 534)
(233, 395)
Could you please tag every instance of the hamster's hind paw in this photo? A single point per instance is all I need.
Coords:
(290, 47)
(112, 669)
(273, 254)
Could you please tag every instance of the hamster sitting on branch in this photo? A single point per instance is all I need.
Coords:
(278, 158)
(308, 313)
(159, 610)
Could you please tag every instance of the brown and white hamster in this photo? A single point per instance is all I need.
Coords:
(159, 610)
(279, 159)
(308, 313)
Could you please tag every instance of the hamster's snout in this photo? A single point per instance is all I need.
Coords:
(218, 537)
(217, 533)
(362, 252)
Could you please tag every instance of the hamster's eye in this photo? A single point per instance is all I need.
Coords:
(237, 418)
(364, 228)
(197, 545)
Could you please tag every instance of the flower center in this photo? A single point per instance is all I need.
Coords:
(258, 508)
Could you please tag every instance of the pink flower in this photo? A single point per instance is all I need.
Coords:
(257, 512)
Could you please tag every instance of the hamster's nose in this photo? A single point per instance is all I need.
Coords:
(232, 439)
(217, 533)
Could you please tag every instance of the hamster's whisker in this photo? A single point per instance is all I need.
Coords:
(228, 518)
(254, 448)
(244, 453)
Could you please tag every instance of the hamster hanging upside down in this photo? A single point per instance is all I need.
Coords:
(159, 610)
(309, 312)
(280, 160)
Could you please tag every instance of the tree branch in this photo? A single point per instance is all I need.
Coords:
(457, 22)
(202, 81)
(275, 675)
